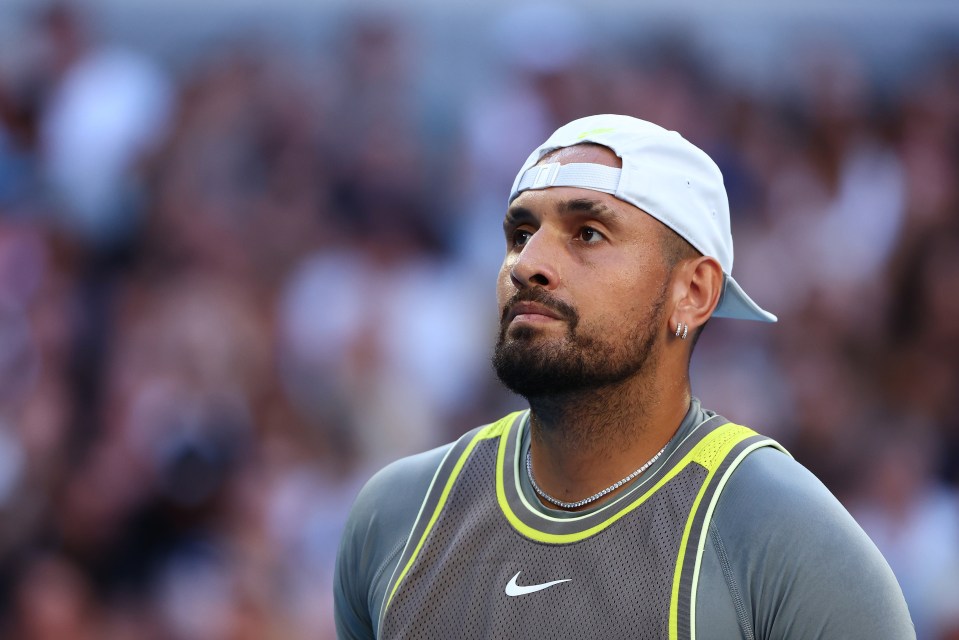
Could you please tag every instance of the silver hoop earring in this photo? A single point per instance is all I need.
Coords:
(685, 331)
(679, 328)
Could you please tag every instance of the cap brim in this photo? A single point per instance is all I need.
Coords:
(734, 303)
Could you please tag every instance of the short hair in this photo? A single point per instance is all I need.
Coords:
(676, 248)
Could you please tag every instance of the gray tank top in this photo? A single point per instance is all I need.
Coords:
(481, 562)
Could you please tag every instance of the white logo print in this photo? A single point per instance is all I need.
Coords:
(513, 589)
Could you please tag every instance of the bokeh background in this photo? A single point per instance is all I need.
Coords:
(247, 253)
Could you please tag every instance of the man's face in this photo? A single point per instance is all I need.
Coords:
(582, 290)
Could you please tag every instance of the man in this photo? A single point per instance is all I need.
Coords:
(616, 507)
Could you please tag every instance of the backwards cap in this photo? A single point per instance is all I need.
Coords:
(663, 174)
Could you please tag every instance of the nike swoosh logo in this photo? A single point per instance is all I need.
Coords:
(513, 589)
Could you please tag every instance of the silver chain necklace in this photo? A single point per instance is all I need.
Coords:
(593, 498)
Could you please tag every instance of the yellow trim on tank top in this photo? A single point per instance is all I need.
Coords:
(709, 453)
(609, 506)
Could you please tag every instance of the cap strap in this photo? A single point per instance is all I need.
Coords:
(597, 177)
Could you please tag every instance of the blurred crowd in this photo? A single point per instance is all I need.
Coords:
(232, 290)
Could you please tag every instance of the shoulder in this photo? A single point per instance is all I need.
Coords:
(379, 522)
(400, 482)
(386, 507)
(769, 486)
(802, 564)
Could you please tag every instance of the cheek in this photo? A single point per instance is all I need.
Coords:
(504, 285)
(642, 277)
(620, 300)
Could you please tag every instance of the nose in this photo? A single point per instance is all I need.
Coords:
(536, 264)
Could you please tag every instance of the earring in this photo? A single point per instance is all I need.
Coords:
(679, 328)
(685, 331)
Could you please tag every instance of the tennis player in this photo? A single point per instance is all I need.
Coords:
(616, 506)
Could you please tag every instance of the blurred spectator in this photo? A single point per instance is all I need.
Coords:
(914, 520)
(106, 106)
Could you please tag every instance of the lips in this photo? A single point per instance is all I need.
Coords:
(532, 312)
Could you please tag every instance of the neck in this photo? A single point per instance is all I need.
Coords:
(585, 441)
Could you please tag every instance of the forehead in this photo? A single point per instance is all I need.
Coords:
(586, 152)
(553, 196)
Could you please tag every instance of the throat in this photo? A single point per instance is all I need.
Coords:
(596, 421)
(582, 445)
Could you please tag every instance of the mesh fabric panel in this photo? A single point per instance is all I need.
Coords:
(620, 579)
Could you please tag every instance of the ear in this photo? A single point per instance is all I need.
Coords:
(697, 286)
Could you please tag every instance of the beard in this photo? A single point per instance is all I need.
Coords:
(533, 367)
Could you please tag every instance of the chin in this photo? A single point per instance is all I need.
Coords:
(532, 364)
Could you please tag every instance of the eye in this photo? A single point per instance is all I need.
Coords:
(521, 237)
(589, 235)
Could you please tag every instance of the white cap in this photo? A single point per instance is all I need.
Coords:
(663, 174)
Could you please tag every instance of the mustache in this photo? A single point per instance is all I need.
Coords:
(541, 296)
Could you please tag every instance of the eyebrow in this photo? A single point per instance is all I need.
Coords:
(594, 208)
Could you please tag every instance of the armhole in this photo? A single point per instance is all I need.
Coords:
(742, 613)
(400, 548)
(686, 584)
